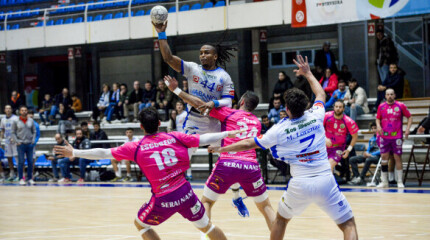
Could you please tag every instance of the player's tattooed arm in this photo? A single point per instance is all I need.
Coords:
(172, 84)
(243, 145)
(173, 61)
(305, 70)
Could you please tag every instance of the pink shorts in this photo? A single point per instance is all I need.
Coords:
(335, 153)
(183, 201)
(228, 172)
(393, 146)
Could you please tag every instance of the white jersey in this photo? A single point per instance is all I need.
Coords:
(6, 126)
(133, 139)
(180, 121)
(300, 142)
(207, 85)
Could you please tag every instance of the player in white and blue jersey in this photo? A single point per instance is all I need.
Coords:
(299, 140)
(209, 82)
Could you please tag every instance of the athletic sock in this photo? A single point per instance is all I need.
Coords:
(235, 188)
(189, 174)
(390, 176)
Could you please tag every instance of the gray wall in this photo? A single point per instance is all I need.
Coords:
(125, 69)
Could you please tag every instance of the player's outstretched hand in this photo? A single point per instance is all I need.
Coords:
(235, 133)
(303, 66)
(206, 108)
(160, 27)
(213, 149)
(170, 82)
(64, 151)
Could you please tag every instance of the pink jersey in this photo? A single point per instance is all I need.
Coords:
(337, 129)
(232, 119)
(162, 157)
(391, 116)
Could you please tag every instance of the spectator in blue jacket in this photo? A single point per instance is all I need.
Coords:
(274, 112)
(338, 94)
(369, 157)
(113, 103)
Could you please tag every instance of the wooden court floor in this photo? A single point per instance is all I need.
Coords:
(105, 212)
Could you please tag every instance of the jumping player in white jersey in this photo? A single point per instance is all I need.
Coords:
(300, 141)
(210, 83)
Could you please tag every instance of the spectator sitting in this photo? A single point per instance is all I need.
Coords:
(67, 120)
(171, 126)
(148, 96)
(122, 97)
(24, 134)
(355, 100)
(81, 142)
(103, 102)
(163, 98)
(55, 159)
(345, 74)
(339, 94)
(318, 72)
(16, 100)
(387, 54)
(394, 80)
(325, 58)
(63, 98)
(274, 112)
(133, 102)
(77, 104)
(282, 85)
(329, 82)
(185, 86)
(423, 127)
(282, 114)
(116, 169)
(370, 156)
(45, 109)
(266, 124)
(85, 130)
(113, 103)
(303, 84)
(181, 115)
(99, 134)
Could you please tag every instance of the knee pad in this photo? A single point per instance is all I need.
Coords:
(209, 193)
(261, 198)
(202, 222)
(145, 228)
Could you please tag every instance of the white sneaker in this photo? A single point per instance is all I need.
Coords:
(400, 185)
(203, 236)
(31, 182)
(22, 182)
(382, 185)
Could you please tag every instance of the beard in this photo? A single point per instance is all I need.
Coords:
(338, 114)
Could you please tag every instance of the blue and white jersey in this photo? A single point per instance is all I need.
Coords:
(207, 85)
(6, 127)
(300, 142)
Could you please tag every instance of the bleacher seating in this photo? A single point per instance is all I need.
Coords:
(185, 7)
(208, 5)
(68, 21)
(98, 18)
(196, 6)
(107, 16)
(172, 9)
(119, 15)
(220, 4)
(140, 13)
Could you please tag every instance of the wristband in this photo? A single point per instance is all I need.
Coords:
(216, 102)
(177, 91)
(349, 148)
(162, 36)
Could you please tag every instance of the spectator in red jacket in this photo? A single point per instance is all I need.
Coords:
(329, 82)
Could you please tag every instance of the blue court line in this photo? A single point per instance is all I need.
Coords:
(201, 186)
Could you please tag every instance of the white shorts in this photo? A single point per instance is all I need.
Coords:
(321, 190)
(197, 124)
(10, 150)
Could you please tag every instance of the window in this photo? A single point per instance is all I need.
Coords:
(276, 59)
(283, 59)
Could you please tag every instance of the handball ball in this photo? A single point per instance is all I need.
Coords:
(158, 14)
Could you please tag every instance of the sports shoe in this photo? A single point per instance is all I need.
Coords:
(53, 180)
(400, 185)
(126, 179)
(10, 179)
(31, 182)
(81, 180)
(116, 179)
(382, 185)
(203, 236)
(22, 182)
(64, 180)
(241, 208)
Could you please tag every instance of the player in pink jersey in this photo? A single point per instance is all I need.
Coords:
(163, 159)
(234, 167)
(337, 126)
(389, 122)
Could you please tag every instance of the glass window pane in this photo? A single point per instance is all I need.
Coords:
(289, 56)
(307, 53)
(276, 59)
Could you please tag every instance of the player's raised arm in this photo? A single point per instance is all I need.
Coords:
(172, 84)
(243, 145)
(305, 71)
(93, 154)
(173, 61)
